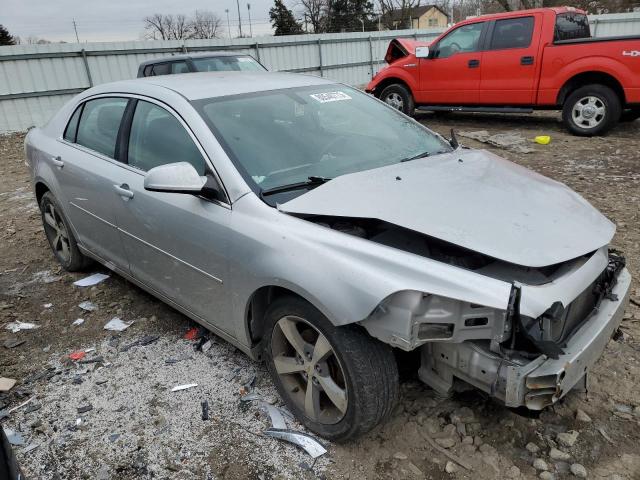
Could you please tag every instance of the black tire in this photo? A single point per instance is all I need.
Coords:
(74, 260)
(369, 370)
(630, 115)
(399, 97)
(607, 110)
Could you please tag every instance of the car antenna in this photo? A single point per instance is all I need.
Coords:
(454, 140)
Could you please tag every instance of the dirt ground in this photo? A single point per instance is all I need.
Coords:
(138, 428)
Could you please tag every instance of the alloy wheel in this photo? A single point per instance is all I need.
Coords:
(309, 370)
(57, 232)
(395, 100)
(589, 112)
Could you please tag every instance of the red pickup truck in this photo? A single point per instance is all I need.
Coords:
(518, 62)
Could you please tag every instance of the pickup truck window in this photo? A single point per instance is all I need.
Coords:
(512, 33)
(461, 40)
(571, 26)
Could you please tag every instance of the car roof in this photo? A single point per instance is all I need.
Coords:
(195, 86)
(185, 56)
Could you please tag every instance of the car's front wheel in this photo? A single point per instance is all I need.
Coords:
(399, 97)
(59, 235)
(338, 381)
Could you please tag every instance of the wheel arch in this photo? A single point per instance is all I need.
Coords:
(588, 78)
(40, 189)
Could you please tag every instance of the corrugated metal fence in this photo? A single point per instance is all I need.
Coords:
(35, 80)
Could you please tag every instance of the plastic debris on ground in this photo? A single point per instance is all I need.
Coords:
(6, 413)
(508, 140)
(77, 322)
(48, 305)
(302, 440)
(177, 388)
(78, 355)
(88, 306)
(192, 334)
(542, 139)
(91, 280)
(15, 327)
(205, 409)
(30, 447)
(116, 324)
(14, 437)
(277, 419)
(251, 397)
(13, 343)
(6, 384)
(206, 346)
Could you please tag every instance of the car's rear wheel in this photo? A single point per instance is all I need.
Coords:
(338, 381)
(591, 110)
(61, 239)
(399, 97)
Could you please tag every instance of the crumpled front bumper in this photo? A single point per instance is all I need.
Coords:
(544, 380)
(535, 384)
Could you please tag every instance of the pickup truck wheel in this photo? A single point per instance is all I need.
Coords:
(61, 240)
(338, 381)
(591, 110)
(398, 97)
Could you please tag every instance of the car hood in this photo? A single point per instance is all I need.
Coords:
(473, 199)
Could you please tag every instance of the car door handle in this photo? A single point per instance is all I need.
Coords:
(57, 161)
(474, 63)
(123, 190)
(526, 60)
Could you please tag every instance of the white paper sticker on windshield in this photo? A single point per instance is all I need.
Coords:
(330, 97)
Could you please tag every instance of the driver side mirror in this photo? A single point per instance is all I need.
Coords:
(180, 177)
(422, 52)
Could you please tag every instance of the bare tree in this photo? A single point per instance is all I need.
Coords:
(397, 12)
(205, 24)
(166, 27)
(314, 12)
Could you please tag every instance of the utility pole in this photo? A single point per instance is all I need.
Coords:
(226, 10)
(362, 22)
(239, 18)
(249, 12)
(75, 27)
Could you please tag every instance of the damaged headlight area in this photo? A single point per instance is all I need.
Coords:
(409, 319)
(521, 361)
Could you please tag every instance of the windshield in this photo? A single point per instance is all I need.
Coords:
(218, 64)
(283, 137)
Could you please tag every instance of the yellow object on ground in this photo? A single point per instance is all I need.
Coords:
(542, 139)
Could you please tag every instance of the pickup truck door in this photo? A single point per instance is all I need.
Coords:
(510, 61)
(451, 75)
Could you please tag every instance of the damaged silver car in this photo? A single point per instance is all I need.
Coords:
(322, 231)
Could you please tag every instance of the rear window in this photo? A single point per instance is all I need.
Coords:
(571, 26)
(226, 63)
(512, 33)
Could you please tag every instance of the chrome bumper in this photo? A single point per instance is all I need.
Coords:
(535, 384)
(544, 381)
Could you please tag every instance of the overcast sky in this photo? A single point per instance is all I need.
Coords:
(117, 20)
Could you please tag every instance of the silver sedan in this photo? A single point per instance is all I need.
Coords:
(323, 232)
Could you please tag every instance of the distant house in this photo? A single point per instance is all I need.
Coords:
(425, 16)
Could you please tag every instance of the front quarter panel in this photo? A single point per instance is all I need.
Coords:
(405, 69)
(345, 277)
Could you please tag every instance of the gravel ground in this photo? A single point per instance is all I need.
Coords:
(138, 428)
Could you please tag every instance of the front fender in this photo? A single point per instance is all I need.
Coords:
(396, 73)
(345, 277)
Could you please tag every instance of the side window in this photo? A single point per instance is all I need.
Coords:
(99, 124)
(512, 33)
(158, 138)
(179, 67)
(570, 26)
(464, 39)
(161, 69)
(147, 70)
(72, 127)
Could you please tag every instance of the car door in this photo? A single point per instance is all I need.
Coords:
(176, 242)
(510, 62)
(451, 74)
(87, 167)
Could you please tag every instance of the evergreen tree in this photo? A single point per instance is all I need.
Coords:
(283, 20)
(349, 15)
(5, 38)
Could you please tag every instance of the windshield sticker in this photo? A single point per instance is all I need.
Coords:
(330, 97)
(245, 59)
(258, 178)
